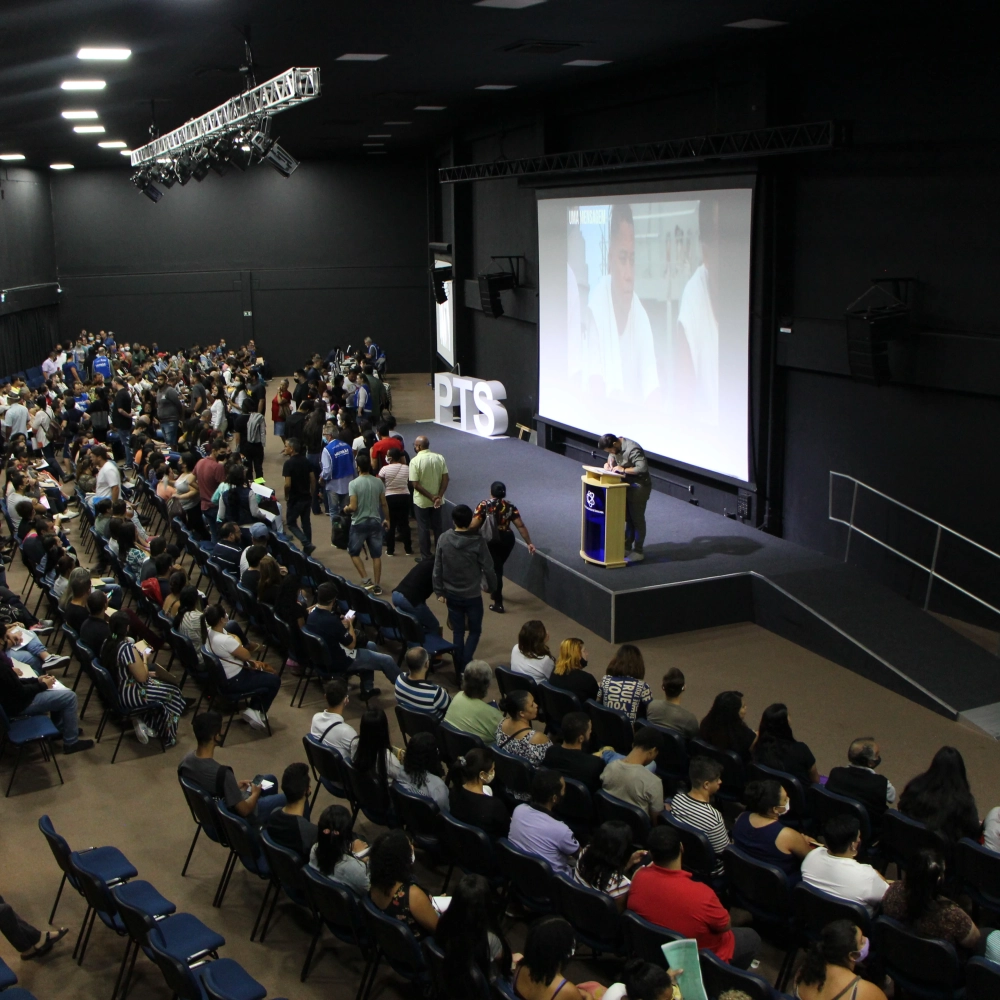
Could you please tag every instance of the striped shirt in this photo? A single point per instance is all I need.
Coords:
(704, 817)
(396, 477)
(422, 696)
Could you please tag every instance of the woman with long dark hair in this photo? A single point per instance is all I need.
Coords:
(941, 798)
(531, 655)
(760, 832)
(540, 975)
(338, 853)
(422, 769)
(514, 733)
(777, 747)
(471, 799)
(189, 619)
(623, 685)
(393, 891)
(138, 685)
(724, 727)
(129, 554)
(471, 938)
(372, 753)
(606, 862)
(501, 514)
(828, 971)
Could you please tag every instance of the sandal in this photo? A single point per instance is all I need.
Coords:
(45, 946)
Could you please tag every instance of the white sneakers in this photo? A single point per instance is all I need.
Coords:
(254, 718)
(142, 731)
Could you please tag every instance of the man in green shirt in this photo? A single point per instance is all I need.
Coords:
(429, 476)
(370, 515)
(469, 710)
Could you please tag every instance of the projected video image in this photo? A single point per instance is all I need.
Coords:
(643, 321)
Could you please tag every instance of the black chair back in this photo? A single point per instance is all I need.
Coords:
(793, 787)
(371, 799)
(823, 805)
(242, 840)
(979, 869)
(528, 876)
(514, 774)
(760, 888)
(576, 808)
(419, 816)
(719, 976)
(180, 980)
(467, 846)
(593, 914)
(411, 723)
(286, 866)
(982, 979)
(672, 761)
(434, 955)
(927, 967)
(607, 807)
(556, 702)
(335, 903)
(203, 811)
(328, 767)
(611, 728)
(456, 742)
(643, 938)
(902, 838)
(509, 680)
(396, 943)
(814, 909)
(733, 771)
(699, 857)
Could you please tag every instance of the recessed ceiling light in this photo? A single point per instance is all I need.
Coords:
(362, 56)
(496, 86)
(373, 144)
(111, 54)
(508, 4)
(587, 63)
(71, 115)
(397, 123)
(755, 23)
(83, 85)
(380, 135)
(125, 152)
(116, 144)
(60, 166)
(429, 107)
(88, 128)
(378, 152)
(11, 156)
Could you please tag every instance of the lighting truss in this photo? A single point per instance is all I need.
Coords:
(753, 143)
(280, 93)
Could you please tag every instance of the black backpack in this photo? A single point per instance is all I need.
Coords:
(339, 531)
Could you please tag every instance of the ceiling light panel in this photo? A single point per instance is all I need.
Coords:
(755, 24)
(83, 84)
(61, 166)
(110, 55)
(125, 152)
(116, 144)
(430, 107)
(508, 4)
(88, 128)
(362, 56)
(75, 115)
(11, 156)
(380, 135)
(588, 63)
(496, 86)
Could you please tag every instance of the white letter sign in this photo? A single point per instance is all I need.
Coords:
(484, 414)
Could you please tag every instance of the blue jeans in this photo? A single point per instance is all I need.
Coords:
(169, 428)
(465, 614)
(114, 592)
(368, 529)
(367, 660)
(211, 519)
(62, 706)
(420, 611)
(335, 501)
(254, 680)
(610, 756)
(30, 654)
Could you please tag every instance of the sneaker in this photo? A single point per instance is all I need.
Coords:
(69, 515)
(141, 733)
(367, 582)
(53, 661)
(390, 555)
(636, 556)
(41, 629)
(498, 608)
(374, 589)
(370, 693)
(309, 549)
(253, 718)
(78, 746)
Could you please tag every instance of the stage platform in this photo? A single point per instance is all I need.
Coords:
(703, 570)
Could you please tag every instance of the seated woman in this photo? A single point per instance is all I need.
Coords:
(548, 949)
(177, 582)
(338, 853)
(64, 567)
(941, 798)
(917, 902)
(471, 799)
(189, 495)
(373, 756)
(622, 686)
(828, 971)
(471, 939)
(393, 891)
(243, 672)
(138, 685)
(514, 734)
(422, 771)
(724, 727)
(130, 554)
(607, 861)
(776, 747)
(531, 655)
(469, 710)
(760, 833)
(188, 617)
(570, 673)
(644, 981)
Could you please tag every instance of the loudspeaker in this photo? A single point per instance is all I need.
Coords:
(491, 284)
(868, 336)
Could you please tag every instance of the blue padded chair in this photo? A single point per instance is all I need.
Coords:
(108, 862)
(982, 979)
(202, 807)
(223, 979)
(416, 635)
(608, 807)
(733, 770)
(468, 848)
(18, 993)
(455, 742)
(643, 938)
(219, 691)
(337, 907)
(924, 967)
(528, 877)
(556, 702)
(244, 846)
(7, 976)
(20, 733)
(978, 868)
(328, 769)
(394, 942)
(902, 838)
(611, 728)
(510, 680)
(719, 976)
(419, 816)
(593, 915)
(286, 876)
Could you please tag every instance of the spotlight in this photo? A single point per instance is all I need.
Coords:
(142, 180)
(167, 176)
(201, 164)
(184, 167)
(281, 160)
(218, 156)
(261, 144)
(241, 153)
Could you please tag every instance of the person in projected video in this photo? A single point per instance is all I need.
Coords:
(619, 356)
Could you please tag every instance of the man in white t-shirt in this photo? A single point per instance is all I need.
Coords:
(835, 868)
(329, 727)
(109, 480)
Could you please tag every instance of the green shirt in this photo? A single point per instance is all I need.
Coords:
(369, 490)
(473, 715)
(427, 468)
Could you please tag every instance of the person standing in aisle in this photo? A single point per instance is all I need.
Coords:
(429, 476)
(493, 519)
(395, 474)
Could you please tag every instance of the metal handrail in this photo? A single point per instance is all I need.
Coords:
(931, 570)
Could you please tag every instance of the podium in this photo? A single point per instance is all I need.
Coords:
(602, 523)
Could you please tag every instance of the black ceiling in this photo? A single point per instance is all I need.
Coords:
(186, 54)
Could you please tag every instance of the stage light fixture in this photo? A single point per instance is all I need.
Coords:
(217, 155)
(281, 160)
(241, 155)
(261, 143)
(142, 179)
(201, 164)
(166, 176)
(184, 165)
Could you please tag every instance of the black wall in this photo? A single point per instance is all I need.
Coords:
(327, 256)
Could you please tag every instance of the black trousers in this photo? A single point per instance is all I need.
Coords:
(253, 454)
(399, 522)
(21, 935)
(500, 550)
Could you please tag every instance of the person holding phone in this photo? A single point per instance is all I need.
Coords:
(138, 684)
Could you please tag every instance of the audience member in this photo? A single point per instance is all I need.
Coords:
(695, 806)
(514, 734)
(629, 778)
(569, 758)
(469, 710)
(828, 972)
(390, 869)
(548, 950)
(622, 686)
(250, 577)
(370, 519)
(422, 771)
(835, 868)
(643, 980)
(288, 825)
(25, 938)
(95, 628)
(605, 861)
(760, 833)
(329, 726)
(471, 799)
(337, 853)
(777, 748)
(669, 712)
(531, 655)
(229, 547)
(373, 755)
(534, 829)
(941, 798)
(570, 671)
(724, 727)
(412, 592)
(665, 894)
(415, 692)
(860, 781)
(428, 473)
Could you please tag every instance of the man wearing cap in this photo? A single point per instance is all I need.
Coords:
(259, 535)
(15, 420)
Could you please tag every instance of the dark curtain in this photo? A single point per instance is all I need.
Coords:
(26, 338)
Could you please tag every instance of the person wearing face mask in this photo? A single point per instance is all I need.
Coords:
(835, 868)
(471, 800)
(570, 671)
(861, 781)
(393, 891)
(760, 833)
(828, 971)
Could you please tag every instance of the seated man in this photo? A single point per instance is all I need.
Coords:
(202, 769)
(250, 577)
(411, 594)
(229, 547)
(695, 807)
(665, 894)
(95, 629)
(859, 780)
(340, 638)
(669, 712)
(259, 535)
(534, 829)
(570, 759)
(21, 695)
(629, 779)
(330, 727)
(415, 692)
(288, 825)
(835, 868)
